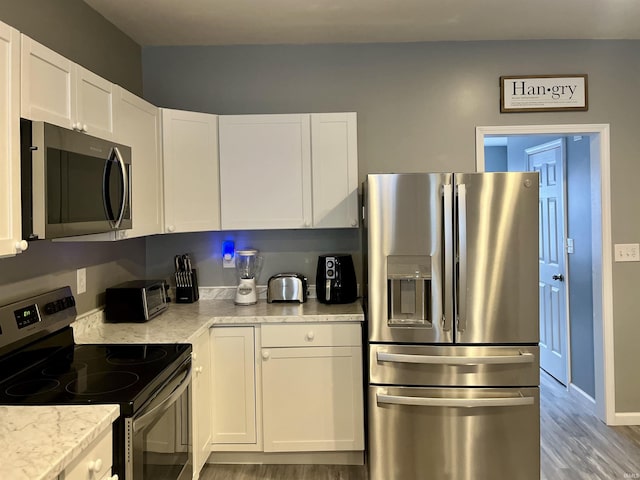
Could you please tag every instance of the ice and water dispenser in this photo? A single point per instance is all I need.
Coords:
(409, 290)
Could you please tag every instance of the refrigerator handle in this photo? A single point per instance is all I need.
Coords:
(455, 402)
(461, 281)
(447, 295)
(521, 357)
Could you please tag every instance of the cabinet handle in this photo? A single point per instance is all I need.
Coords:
(311, 335)
(307, 224)
(95, 465)
(115, 477)
(354, 223)
(171, 228)
(84, 128)
(194, 356)
(199, 369)
(266, 355)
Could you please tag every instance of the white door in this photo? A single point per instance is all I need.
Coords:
(549, 160)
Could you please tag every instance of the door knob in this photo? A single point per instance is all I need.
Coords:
(558, 277)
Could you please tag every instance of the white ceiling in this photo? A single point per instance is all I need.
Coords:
(229, 22)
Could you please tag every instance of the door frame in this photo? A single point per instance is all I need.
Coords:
(602, 258)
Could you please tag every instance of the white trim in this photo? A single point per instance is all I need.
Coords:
(603, 298)
(626, 418)
(583, 398)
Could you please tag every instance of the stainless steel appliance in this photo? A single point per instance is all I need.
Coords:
(452, 310)
(72, 183)
(41, 365)
(135, 301)
(336, 279)
(287, 287)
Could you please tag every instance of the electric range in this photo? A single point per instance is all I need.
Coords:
(40, 364)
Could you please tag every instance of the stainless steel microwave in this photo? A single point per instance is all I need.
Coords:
(72, 183)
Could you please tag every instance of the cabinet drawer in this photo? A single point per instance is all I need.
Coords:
(311, 334)
(94, 462)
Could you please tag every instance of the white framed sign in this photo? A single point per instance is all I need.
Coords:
(543, 93)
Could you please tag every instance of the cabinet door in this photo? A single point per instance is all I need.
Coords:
(191, 178)
(312, 399)
(10, 216)
(334, 160)
(201, 401)
(265, 171)
(94, 104)
(94, 462)
(233, 386)
(47, 85)
(137, 124)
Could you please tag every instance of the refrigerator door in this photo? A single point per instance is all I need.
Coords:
(486, 366)
(431, 433)
(410, 295)
(497, 250)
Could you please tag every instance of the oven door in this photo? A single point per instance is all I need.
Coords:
(157, 437)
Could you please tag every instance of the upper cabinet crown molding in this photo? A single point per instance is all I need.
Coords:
(56, 90)
(10, 215)
(288, 171)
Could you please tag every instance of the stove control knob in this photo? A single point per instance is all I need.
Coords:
(51, 308)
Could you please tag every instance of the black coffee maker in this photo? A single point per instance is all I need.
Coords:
(336, 279)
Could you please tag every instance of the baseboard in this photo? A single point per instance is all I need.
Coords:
(626, 418)
(583, 398)
(300, 458)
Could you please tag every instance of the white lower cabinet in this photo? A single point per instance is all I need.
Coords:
(233, 388)
(200, 401)
(95, 462)
(312, 391)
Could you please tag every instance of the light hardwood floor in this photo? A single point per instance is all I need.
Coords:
(575, 445)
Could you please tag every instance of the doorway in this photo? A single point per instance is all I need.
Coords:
(597, 144)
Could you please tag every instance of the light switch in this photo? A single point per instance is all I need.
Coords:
(627, 252)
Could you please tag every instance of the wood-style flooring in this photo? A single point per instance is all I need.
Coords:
(575, 445)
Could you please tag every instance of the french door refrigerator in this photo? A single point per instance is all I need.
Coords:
(452, 312)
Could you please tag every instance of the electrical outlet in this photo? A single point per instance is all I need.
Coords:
(81, 277)
(627, 252)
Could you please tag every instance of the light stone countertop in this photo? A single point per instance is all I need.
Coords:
(182, 323)
(38, 443)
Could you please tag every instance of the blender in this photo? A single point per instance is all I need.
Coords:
(248, 265)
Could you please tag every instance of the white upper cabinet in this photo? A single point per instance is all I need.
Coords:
(137, 124)
(56, 90)
(265, 171)
(288, 171)
(191, 178)
(10, 216)
(334, 159)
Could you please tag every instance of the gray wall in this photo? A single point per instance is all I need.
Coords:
(76, 31)
(418, 105)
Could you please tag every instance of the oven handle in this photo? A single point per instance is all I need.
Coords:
(150, 411)
(455, 402)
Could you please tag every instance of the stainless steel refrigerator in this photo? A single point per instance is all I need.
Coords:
(452, 311)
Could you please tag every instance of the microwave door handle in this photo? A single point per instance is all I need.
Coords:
(106, 195)
(125, 182)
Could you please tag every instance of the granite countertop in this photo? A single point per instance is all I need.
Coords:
(38, 443)
(182, 323)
